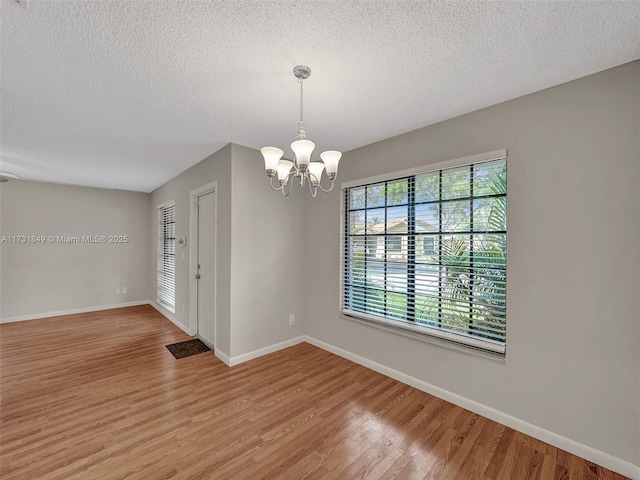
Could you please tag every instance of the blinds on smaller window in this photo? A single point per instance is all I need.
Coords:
(426, 252)
(167, 256)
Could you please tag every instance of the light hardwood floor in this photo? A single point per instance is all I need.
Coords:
(98, 396)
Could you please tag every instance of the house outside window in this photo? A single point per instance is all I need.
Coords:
(435, 259)
(394, 245)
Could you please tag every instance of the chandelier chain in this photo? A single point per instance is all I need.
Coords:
(301, 131)
(301, 100)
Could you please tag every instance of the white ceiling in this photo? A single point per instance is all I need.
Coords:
(127, 94)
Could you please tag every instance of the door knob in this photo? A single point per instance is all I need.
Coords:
(197, 276)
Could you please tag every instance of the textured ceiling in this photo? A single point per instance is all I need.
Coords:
(127, 94)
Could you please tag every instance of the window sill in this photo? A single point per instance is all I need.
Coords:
(399, 329)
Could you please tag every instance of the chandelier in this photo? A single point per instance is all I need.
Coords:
(301, 168)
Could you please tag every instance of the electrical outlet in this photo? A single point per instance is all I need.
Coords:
(117, 291)
(292, 319)
(124, 290)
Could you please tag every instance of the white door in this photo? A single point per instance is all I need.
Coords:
(206, 273)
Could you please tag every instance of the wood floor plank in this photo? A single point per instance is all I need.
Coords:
(98, 396)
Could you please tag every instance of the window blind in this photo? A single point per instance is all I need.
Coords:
(427, 252)
(167, 256)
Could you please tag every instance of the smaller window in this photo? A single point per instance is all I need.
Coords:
(167, 255)
(394, 244)
(428, 244)
(372, 247)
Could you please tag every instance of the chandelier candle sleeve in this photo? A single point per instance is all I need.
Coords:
(315, 171)
(303, 149)
(307, 172)
(272, 156)
(331, 159)
(284, 167)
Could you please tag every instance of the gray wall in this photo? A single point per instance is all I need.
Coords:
(268, 257)
(260, 251)
(572, 364)
(216, 167)
(82, 275)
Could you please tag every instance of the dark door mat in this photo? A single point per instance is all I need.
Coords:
(188, 348)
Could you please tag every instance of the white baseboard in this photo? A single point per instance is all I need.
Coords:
(245, 357)
(169, 316)
(610, 462)
(59, 313)
(222, 356)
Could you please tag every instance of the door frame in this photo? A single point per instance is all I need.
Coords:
(211, 187)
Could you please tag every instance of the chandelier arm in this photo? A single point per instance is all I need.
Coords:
(286, 193)
(277, 189)
(313, 175)
(292, 175)
(328, 189)
(313, 189)
(288, 181)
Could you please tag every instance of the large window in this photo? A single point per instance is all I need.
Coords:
(167, 255)
(427, 252)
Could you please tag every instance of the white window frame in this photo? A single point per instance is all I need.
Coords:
(164, 298)
(405, 327)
